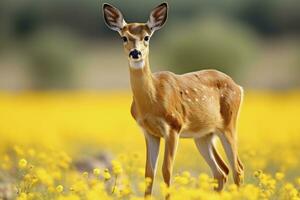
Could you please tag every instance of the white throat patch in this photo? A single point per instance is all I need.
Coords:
(136, 64)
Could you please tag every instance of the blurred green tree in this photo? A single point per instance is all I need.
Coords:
(211, 42)
(51, 55)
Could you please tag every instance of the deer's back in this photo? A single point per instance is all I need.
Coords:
(201, 101)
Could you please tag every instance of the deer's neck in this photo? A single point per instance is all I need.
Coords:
(142, 85)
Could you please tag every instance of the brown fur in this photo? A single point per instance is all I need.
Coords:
(188, 102)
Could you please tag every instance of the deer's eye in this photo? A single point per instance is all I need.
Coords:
(124, 39)
(146, 38)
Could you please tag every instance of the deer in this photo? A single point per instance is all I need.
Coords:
(201, 105)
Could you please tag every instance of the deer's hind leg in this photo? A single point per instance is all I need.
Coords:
(214, 160)
(230, 107)
(229, 142)
(220, 160)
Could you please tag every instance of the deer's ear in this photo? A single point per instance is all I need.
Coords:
(158, 17)
(113, 17)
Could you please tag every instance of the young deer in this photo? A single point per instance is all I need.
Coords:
(196, 105)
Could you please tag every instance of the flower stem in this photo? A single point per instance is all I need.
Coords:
(115, 185)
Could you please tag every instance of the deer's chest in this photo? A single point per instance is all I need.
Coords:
(153, 124)
(157, 120)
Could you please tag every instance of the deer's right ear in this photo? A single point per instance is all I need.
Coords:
(113, 17)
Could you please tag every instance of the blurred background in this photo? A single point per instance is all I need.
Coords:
(65, 45)
(64, 82)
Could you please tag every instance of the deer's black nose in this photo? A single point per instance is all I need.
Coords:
(135, 54)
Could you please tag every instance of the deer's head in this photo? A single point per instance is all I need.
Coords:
(135, 36)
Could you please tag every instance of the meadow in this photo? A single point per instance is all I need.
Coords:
(86, 146)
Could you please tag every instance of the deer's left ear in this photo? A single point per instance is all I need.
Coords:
(113, 17)
(158, 17)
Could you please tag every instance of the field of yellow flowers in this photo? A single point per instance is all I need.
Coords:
(86, 146)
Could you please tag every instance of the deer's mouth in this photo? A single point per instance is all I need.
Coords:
(136, 64)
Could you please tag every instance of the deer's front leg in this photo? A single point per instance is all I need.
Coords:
(171, 143)
(152, 145)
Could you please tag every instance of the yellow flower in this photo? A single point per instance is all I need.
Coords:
(34, 179)
(96, 171)
(186, 174)
(126, 191)
(182, 180)
(288, 187)
(232, 187)
(117, 168)
(22, 196)
(85, 174)
(148, 181)
(165, 189)
(44, 177)
(59, 188)
(279, 176)
(22, 163)
(106, 174)
(257, 173)
(52, 166)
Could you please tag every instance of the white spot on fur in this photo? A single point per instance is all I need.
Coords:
(136, 64)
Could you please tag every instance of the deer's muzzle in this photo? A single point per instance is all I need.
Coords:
(135, 54)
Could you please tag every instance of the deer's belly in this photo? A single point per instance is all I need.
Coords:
(198, 134)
